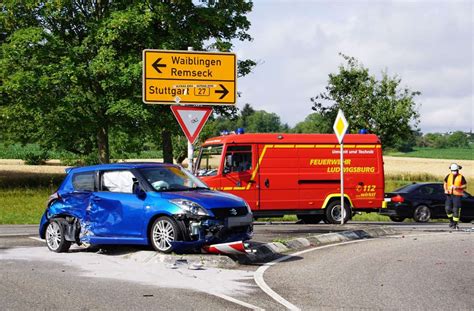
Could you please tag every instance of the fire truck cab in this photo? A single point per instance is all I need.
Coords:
(281, 174)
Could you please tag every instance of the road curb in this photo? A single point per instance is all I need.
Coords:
(190, 260)
(261, 252)
(269, 251)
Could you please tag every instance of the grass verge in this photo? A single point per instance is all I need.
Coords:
(437, 153)
(22, 205)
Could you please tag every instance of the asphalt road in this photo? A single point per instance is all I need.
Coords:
(425, 271)
(386, 273)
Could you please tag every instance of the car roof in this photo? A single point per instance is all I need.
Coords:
(115, 166)
(413, 186)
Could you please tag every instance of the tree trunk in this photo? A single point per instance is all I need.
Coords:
(167, 146)
(103, 144)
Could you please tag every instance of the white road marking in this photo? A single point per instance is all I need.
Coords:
(239, 302)
(258, 276)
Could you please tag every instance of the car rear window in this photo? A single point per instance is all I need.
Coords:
(407, 188)
(83, 181)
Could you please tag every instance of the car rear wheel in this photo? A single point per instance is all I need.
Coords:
(310, 219)
(397, 219)
(55, 239)
(333, 212)
(163, 232)
(422, 214)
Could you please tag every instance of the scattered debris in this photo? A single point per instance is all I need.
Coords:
(196, 266)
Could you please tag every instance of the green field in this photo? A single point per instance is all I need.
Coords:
(432, 153)
(19, 151)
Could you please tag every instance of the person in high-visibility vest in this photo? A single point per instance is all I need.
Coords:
(454, 185)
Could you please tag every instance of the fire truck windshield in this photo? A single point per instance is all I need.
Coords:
(209, 160)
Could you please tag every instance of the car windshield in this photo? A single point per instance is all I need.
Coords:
(209, 160)
(171, 178)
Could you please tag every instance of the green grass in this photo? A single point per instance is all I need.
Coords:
(432, 153)
(19, 151)
(22, 205)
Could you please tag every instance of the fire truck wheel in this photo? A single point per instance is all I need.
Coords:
(333, 212)
(310, 219)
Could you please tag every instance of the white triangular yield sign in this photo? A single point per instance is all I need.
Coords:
(191, 119)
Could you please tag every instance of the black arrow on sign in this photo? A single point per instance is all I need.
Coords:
(224, 91)
(157, 65)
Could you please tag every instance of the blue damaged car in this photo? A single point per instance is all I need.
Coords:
(161, 205)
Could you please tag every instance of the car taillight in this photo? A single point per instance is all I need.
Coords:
(54, 197)
(398, 199)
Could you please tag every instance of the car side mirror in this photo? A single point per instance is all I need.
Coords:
(226, 170)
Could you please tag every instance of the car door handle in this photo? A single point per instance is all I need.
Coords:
(267, 183)
(96, 199)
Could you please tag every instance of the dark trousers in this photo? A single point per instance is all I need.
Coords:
(453, 206)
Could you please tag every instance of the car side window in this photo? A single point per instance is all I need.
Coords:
(238, 158)
(438, 189)
(426, 190)
(84, 181)
(117, 181)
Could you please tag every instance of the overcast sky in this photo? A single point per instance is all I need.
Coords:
(428, 44)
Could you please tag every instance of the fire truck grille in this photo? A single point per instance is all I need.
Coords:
(229, 212)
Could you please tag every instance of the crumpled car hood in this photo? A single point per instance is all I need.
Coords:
(207, 199)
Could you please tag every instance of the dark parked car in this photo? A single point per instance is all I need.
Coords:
(422, 202)
(142, 203)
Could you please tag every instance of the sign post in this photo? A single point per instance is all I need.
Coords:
(340, 127)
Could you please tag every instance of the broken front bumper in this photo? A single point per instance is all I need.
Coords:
(216, 231)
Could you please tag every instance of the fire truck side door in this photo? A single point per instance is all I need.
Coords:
(239, 165)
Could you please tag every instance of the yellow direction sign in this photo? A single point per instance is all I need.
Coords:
(340, 126)
(189, 77)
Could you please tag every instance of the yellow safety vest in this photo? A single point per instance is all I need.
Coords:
(456, 181)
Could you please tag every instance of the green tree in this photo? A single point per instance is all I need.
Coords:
(71, 70)
(264, 122)
(380, 106)
(458, 139)
(313, 123)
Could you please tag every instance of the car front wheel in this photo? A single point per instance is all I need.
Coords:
(55, 239)
(397, 219)
(422, 214)
(163, 232)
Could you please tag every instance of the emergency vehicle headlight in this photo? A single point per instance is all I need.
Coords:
(190, 207)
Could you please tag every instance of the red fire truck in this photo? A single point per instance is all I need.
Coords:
(281, 174)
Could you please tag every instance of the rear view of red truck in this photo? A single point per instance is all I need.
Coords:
(281, 174)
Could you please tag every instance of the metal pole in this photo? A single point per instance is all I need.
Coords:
(190, 156)
(342, 183)
(190, 146)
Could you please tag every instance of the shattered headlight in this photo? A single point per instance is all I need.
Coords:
(190, 207)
